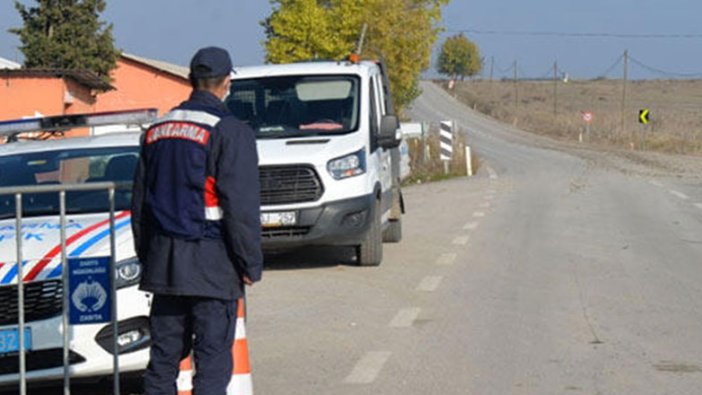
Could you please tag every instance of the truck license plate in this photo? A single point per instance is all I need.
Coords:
(9, 340)
(274, 220)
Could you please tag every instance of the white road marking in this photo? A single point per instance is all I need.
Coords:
(405, 317)
(471, 226)
(655, 183)
(461, 240)
(698, 205)
(478, 214)
(679, 194)
(368, 368)
(492, 173)
(429, 283)
(446, 259)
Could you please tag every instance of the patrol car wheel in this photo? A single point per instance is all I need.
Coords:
(370, 252)
(393, 233)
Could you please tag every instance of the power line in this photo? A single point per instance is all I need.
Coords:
(580, 34)
(612, 67)
(662, 72)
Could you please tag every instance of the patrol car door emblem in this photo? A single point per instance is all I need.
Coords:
(89, 296)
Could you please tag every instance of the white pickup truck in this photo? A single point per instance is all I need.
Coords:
(327, 141)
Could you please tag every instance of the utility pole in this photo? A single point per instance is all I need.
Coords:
(492, 67)
(555, 88)
(626, 78)
(516, 90)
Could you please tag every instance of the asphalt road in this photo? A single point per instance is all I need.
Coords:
(553, 271)
(550, 272)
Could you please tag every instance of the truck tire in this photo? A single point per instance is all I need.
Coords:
(393, 233)
(370, 252)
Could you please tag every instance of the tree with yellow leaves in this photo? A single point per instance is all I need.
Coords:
(459, 57)
(402, 32)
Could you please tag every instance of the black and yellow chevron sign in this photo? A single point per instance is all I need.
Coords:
(645, 116)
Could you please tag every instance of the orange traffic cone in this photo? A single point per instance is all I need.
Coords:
(241, 382)
(184, 382)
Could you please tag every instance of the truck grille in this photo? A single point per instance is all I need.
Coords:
(42, 300)
(293, 231)
(289, 184)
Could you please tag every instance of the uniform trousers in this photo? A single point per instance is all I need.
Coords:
(180, 324)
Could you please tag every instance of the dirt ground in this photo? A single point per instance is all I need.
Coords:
(556, 109)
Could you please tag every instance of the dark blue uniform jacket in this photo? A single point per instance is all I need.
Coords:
(196, 202)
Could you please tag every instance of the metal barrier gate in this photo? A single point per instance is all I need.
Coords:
(18, 192)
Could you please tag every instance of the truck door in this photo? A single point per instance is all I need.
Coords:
(383, 156)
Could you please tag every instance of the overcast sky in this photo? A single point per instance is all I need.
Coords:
(172, 30)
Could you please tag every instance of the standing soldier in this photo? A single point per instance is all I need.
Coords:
(197, 231)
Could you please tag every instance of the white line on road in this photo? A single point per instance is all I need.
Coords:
(429, 283)
(492, 173)
(446, 259)
(368, 368)
(698, 205)
(405, 317)
(679, 194)
(461, 240)
(478, 214)
(655, 183)
(471, 226)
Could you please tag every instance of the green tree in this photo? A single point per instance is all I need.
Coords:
(402, 32)
(67, 34)
(459, 57)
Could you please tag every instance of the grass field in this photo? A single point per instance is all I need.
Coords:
(676, 119)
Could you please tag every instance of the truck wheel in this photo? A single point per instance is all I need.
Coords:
(393, 233)
(370, 252)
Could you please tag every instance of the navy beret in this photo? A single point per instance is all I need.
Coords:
(210, 62)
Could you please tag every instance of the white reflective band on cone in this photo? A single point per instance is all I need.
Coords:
(240, 384)
(213, 213)
(184, 382)
(240, 329)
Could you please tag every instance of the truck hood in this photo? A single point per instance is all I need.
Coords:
(316, 150)
(87, 235)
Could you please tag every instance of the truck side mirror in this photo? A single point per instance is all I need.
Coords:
(390, 133)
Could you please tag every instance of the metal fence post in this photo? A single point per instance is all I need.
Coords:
(20, 295)
(66, 297)
(113, 292)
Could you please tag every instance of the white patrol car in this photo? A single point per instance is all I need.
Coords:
(327, 142)
(111, 157)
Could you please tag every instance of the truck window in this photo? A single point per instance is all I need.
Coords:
(374, 114)
(297, 106)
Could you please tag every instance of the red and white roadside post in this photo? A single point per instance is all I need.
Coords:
(588, 117)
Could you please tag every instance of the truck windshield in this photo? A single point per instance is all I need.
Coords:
(297, 106)
(77, 166)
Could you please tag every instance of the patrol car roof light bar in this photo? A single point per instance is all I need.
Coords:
(59, 123)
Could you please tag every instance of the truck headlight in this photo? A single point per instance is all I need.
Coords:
(348, 166)
(127, 272)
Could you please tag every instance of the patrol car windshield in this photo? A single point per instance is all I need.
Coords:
(77, 166)
(297, 106)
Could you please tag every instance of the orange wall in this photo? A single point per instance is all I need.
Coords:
(139, 86)
(24, 96)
